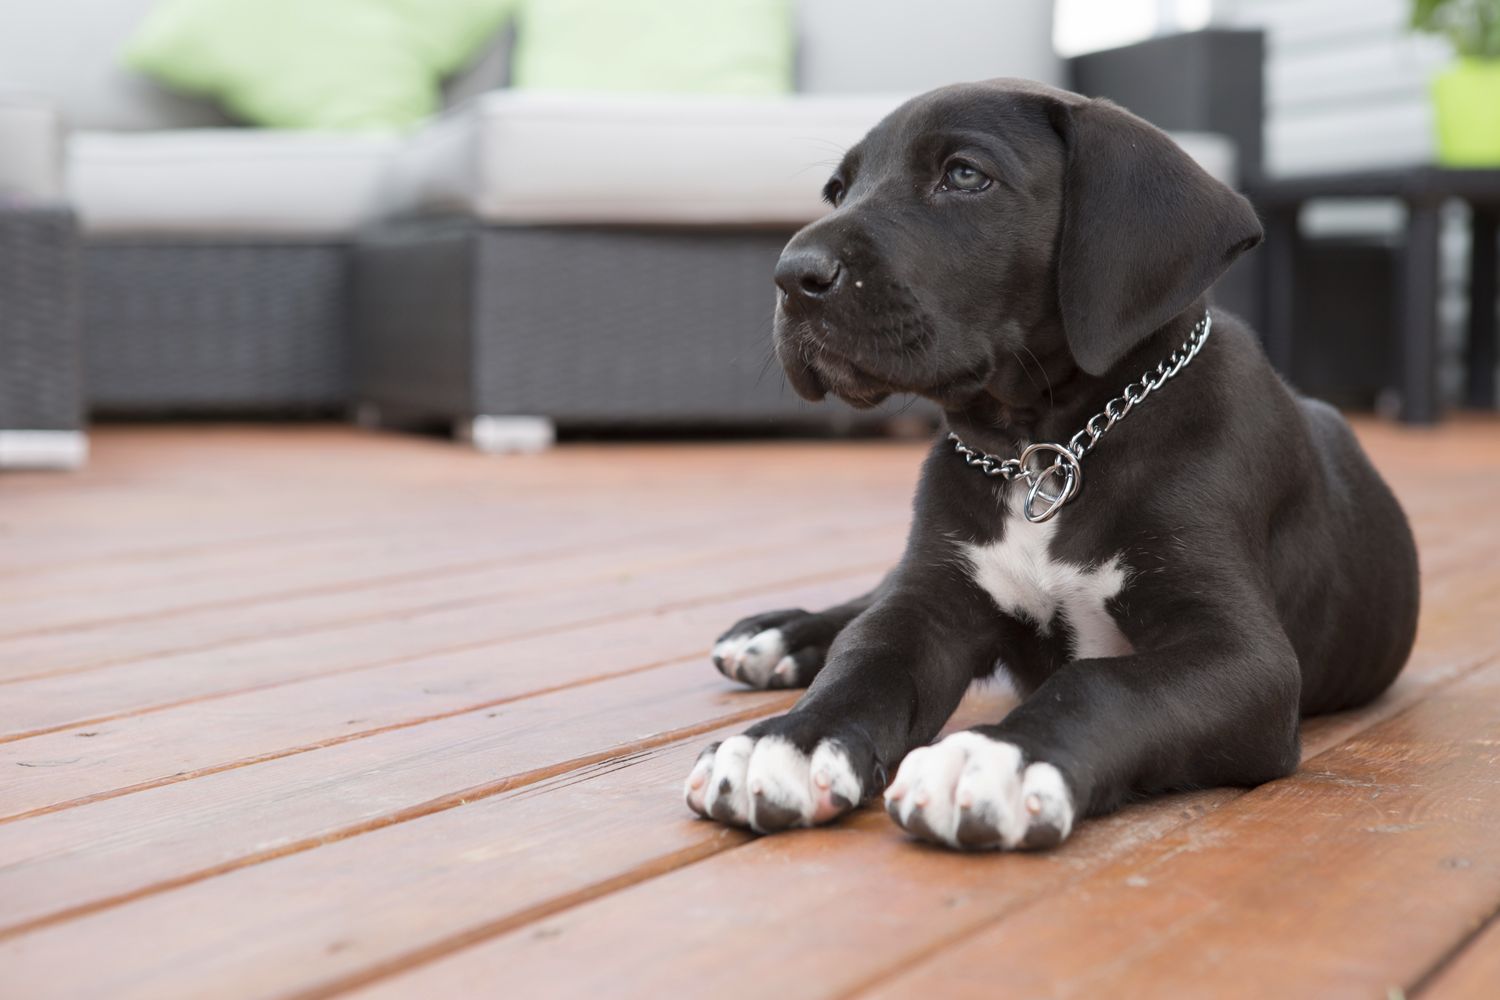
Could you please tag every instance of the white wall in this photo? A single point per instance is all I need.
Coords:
(69, 52)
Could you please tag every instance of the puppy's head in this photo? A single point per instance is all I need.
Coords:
(984, 227)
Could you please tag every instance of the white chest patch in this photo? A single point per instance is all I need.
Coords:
(1019, 573)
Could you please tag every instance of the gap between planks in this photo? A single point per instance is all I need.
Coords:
(663, 639)
(947, 941)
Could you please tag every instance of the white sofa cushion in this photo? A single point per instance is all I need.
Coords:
(227, 181)
(537, 157)
(506, 158)
(516, 157)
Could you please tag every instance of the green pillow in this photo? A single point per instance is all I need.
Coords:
(691, 46)
(335, 64)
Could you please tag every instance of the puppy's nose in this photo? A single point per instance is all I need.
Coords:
(809, 273)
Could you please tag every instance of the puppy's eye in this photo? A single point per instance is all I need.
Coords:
(964, 176)
(833, 192)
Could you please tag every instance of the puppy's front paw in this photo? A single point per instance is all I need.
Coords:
(778, 649)
(766, 782)
(972, 792)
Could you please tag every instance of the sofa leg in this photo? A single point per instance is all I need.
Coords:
(368, 417)
(507, 435)
(43, 449)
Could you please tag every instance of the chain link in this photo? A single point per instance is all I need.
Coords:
(1095, 427)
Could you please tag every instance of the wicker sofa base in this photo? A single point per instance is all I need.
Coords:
(40, 368)
(174, 327)
(583, 327)
(41, 374)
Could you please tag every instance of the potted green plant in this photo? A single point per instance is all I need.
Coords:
(1466, 96)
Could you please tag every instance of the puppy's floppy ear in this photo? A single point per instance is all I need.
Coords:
(1145, 231)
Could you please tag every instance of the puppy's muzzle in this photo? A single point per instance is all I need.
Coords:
(808, 276)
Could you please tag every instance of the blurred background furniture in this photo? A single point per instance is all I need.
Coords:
(594, 260)
(547, 255)
(585, 258)
(215, 272)
(1422, 191)
(1347, 93)
(625, 283)
(605, 257)
(41, 386)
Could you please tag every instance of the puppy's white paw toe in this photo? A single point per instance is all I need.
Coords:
(756, 658)
(770, 785)
(970, 791)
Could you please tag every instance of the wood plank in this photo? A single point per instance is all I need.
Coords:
(1350, 878)
(1443, 542)
(47, 704)
(408, 879)
(362, 919)
(647, 939)
(532, 850)
(157, 479)
(432, 587)
(135, 753)
(29, 610)
(69, 862)
(1473, 974)
(836, 908)
(434, 532)
(446, 537)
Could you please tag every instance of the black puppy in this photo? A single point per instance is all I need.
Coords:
(1020, 255)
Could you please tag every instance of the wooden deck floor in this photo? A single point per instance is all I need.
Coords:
(314, 712)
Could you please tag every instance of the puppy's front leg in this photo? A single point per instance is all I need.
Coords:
(893, 677)
(1216, 703)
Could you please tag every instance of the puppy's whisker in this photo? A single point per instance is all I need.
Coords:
(1027, 372)
(765, 366)
(1043, 369)
(839, 150)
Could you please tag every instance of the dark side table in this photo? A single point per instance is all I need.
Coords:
(1423, 189)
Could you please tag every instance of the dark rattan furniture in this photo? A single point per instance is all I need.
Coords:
(577, 326)
(225, 326)
(1423, 190)
(41, 397)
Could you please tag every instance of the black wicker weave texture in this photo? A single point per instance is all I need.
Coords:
(40, 370)
(216, 327)
(616, 325)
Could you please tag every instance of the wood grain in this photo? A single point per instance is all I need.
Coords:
(1353, 877)
(143, 751)
(484, 865)
(312, 712)
(439, 585)
(1472, 974)
(646, 943)
(104, 852)
(49, 703)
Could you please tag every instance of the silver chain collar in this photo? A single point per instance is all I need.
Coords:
(1067, 462)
